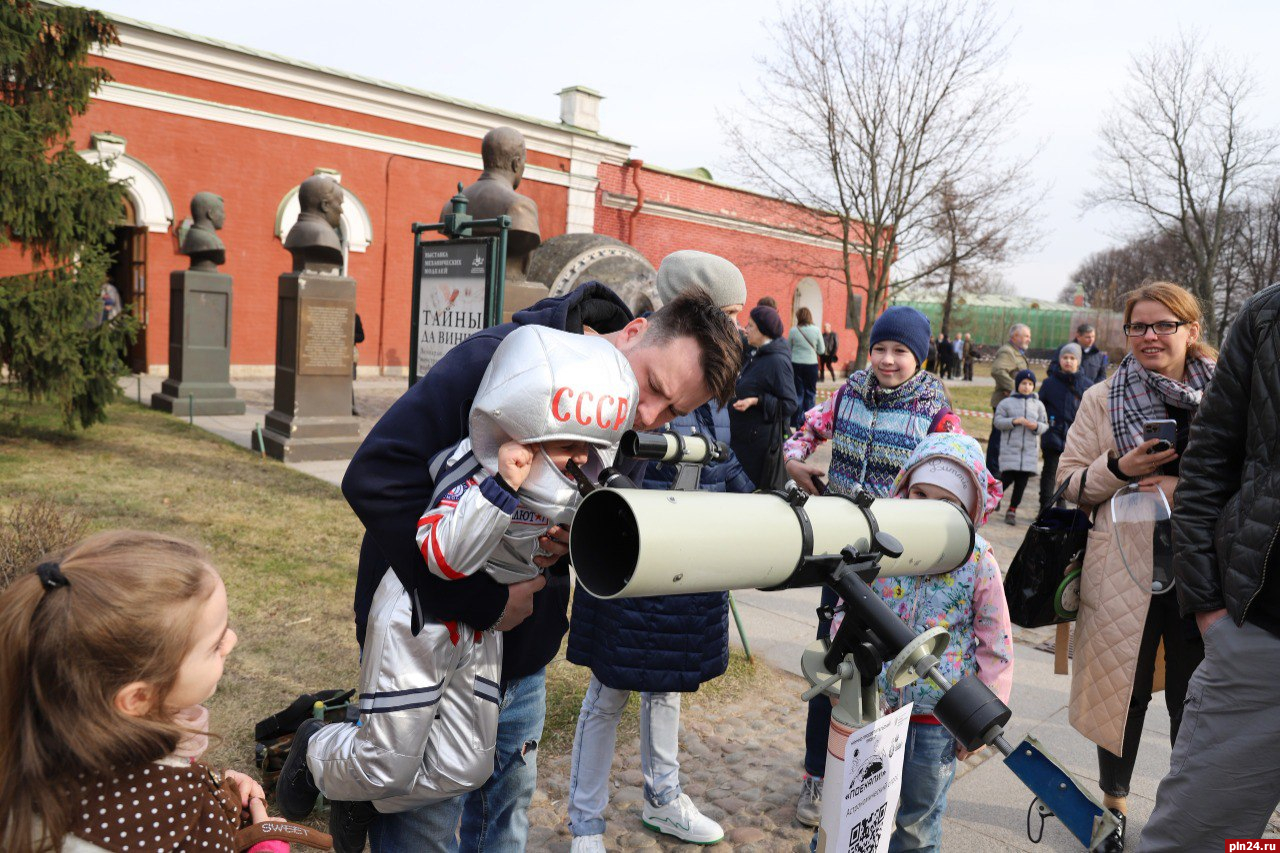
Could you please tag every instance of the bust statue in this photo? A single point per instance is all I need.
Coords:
(494, 194)
(201, 243)
(313, 240)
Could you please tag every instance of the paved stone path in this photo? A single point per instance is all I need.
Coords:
(740, 763)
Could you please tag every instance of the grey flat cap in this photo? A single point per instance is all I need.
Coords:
(687, 268)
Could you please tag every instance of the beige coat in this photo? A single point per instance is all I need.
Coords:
(1113, 608)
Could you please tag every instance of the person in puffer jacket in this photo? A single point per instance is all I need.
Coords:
(1060, 393)
(660, 646)
(969, 603)
(1020, 417)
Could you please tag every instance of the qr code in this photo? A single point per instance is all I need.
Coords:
(865, 835)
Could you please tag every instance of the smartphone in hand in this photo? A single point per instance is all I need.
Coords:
(1165, 429)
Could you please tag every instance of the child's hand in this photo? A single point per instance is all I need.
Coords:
(962, 753)
(248, 788)
(514, 461)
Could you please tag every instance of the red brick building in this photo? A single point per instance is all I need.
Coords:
(185, 114)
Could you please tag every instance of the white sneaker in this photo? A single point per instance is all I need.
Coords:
(681, 818)
(809, 807)
(588, 844)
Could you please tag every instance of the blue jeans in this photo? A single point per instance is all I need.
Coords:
(493, 817)
(928, 767)
(593, 749)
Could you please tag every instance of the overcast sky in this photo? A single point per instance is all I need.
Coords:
(667, 68)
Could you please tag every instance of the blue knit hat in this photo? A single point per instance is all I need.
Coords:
(905, 325)
(1021, 375)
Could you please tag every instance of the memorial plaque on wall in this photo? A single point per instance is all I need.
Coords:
(449, 299)
(327, 337)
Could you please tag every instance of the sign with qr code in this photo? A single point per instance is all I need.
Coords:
(872, 783)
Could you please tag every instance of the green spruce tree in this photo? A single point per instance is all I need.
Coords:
(59, 210)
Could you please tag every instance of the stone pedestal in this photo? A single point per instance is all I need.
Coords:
(199, 346)
(315, 328)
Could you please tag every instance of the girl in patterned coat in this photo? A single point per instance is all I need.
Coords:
(969, 603)
(873, 422)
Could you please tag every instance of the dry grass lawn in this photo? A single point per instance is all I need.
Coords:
(286, 545)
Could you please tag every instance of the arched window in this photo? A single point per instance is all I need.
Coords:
(142, 187)
(808, 294)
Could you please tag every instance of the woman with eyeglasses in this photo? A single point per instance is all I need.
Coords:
(1121, 622)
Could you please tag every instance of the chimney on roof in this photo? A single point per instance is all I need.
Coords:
(580, 108)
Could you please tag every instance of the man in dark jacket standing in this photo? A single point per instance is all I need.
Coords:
(1224, 777)
(1093, 361)
(1060, 393)
(681, 356)
(660, 646)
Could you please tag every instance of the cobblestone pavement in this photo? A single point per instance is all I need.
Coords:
(740, 763)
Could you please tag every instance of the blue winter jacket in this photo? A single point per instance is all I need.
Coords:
(668, 643)
(1061, 392)
(388, 486)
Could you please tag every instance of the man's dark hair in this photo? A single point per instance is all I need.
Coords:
(693, 314)
(768, 301)
(1085, 328)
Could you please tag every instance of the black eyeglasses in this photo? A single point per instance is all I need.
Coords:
(1164, 327)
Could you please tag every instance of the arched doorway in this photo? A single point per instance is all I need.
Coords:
(146, 207)
(128, 274)
(808, 294)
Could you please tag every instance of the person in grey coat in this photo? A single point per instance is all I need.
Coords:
(1021, 419)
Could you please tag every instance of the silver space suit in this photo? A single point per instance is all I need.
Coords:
(429, 702)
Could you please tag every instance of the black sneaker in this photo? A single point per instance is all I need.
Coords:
(349, 825)
(1114, 843)
(296, 791)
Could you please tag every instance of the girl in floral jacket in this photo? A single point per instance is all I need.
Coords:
(969, 603)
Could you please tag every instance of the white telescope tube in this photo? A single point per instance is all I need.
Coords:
(628, 543)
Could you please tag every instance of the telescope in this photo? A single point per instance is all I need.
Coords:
(627, 543)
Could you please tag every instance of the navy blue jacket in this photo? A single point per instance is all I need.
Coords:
(388, 486)
(1061, 392)
(667, 643)
(767, 375)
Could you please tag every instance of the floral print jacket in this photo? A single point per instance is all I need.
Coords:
(968, 602)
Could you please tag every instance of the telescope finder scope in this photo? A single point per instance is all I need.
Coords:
(672, 447)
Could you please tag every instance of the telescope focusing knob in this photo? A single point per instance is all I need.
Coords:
(888, 545)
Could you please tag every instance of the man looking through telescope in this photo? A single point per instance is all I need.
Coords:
(681, 355)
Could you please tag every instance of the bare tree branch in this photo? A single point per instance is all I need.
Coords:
(1178, 151)
(868, 110)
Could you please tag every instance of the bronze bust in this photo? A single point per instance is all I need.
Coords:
(201, 243)
(494, 194)
(313, 240)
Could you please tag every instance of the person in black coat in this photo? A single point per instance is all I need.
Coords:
(1060, 393)
(764, 399)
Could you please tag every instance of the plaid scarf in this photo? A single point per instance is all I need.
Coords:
(1138, 395)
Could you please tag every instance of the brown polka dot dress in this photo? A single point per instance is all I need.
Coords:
(158, 809)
